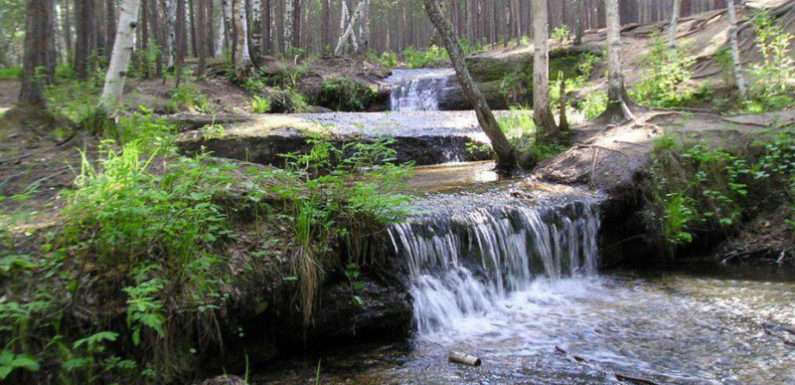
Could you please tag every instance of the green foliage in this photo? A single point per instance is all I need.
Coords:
(561, 34)
(10, 362)
(340, 195)
(287, 101)
(10, 73)
(695, 189)
(387, 59)
(260, 105)
(431, 57)
(665, 78)
(187, 97)
(520, 129)
(774, 77)
(77, 100)
(594, 104)
(143, 128)
(342, 94)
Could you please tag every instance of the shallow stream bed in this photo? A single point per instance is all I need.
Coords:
(666, 327)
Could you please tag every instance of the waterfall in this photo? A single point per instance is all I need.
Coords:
(420, 89)
(462, 264)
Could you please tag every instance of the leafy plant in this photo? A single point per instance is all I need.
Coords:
(10, 73)
(774, 77)
(260, 105)
(188, 97)
(561, 34)
(341, 94)
(664, 82)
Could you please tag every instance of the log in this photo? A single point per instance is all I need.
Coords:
(463, 359)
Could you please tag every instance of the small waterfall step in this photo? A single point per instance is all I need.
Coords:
(468, 252)
(419, 89)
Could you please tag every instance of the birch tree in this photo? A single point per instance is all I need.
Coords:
(674, 23)
(739, 78)
(120, 58)
(506, 156)
(542, 114)
(617, 98)
(349, 29)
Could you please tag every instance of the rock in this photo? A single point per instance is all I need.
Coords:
(424, 138)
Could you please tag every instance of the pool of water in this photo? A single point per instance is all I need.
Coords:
(665, 327)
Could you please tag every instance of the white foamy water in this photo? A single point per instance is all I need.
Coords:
(419, 89)
(467, 268)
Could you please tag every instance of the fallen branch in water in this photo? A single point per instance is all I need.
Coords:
(619, 376)
(785, 334)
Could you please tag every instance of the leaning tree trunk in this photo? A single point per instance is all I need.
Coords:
(738, 66)
(674, 23)
(506, 156)
(37, 19)
(617, 98)
(120, 59)
(542, 114)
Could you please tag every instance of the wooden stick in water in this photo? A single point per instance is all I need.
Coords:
(463, 358)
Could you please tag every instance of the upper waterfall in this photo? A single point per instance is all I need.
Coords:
(419, 89)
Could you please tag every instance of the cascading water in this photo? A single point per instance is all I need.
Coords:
(419, 89)
(466, 265)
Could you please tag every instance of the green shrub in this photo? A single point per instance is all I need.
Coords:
(561, 34)
(431, 57)
(143, 128)
(341, 94)
(342, 196)
(260, 105)
(10, 73)
(77, 100)
(387, 59)
(594, 104)
(188, 97)
(774, 77)
(287, 101)
(665, 78)
(696, 189)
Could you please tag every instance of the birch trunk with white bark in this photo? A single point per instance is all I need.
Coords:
(542, 114)
(120, 58)
(739, 78)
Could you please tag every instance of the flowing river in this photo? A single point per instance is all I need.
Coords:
(512, 278)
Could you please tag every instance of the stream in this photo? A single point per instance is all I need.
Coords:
(509, 273)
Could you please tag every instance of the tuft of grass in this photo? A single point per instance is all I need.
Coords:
(187, 97)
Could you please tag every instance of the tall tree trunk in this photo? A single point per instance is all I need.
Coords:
(157, 35)
(67, 30)
(739, 78)
(144, 30)
(296, 33)
(326, 27)
(37, 18)
(120, 59)
(267, 42)
(280, 27)
(86, 38)
(201, 30)
(506, 156)
(674, 23)
(542, 113)
(580, 21)
(110, 20)
(180, 41)
(617, 107)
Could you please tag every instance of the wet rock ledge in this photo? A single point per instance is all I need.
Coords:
(422, 137)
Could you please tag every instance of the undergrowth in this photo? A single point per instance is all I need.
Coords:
(134, 285)
(665, 81)
(341, 94)
(697, 189)
(10, 73)
(520, 129)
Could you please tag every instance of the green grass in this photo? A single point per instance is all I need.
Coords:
(10, 73)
